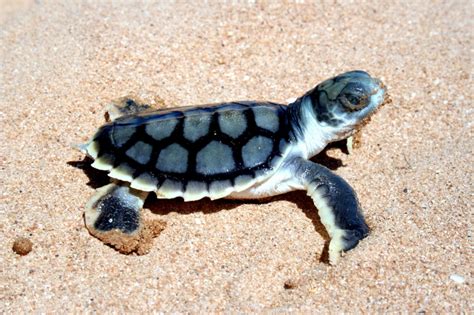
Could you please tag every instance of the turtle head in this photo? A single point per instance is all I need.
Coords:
(344, 103)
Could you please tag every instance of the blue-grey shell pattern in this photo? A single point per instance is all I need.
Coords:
(195, 149)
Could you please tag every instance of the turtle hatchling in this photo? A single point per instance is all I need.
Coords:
(238, 150)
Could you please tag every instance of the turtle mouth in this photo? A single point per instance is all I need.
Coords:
(378, 104)
(386, 97)
(378, 96)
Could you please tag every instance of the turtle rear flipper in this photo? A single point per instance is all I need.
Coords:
(113, 215)
(123, 106)
(127, 105)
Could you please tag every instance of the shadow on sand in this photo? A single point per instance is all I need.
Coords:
(206, 206)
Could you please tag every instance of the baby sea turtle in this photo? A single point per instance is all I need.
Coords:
(242, 150)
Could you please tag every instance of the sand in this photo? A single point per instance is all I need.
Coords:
(62, 62)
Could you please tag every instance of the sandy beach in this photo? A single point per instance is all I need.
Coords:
(62, 62)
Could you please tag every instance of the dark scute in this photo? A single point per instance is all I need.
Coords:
(107, 139)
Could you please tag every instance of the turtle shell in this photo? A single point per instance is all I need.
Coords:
(194, 152)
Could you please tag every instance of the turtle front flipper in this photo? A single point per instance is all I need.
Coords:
(337, 205)
(354, 142)
(113, 215)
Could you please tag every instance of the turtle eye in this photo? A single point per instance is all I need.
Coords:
(353, 97)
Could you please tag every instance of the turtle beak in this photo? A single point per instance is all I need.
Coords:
(379, 91)
(386, 96)
(378, 86)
